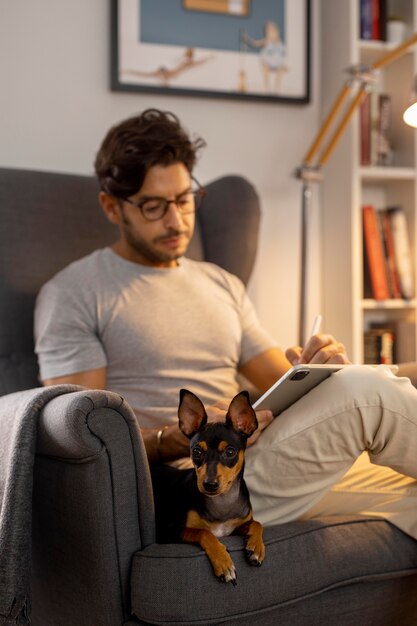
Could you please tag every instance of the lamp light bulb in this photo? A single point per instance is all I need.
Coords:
(410, 115)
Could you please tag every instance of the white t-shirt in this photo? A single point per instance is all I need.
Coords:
(155, 330)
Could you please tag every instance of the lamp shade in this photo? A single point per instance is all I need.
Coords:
(410, 114)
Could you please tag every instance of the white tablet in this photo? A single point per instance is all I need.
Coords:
(294, 384)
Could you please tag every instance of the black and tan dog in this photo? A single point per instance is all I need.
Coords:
(218, 501)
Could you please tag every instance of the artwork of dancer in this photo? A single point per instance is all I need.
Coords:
(272, 55)
(166, 74)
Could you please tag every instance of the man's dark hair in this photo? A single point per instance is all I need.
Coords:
(135, 145)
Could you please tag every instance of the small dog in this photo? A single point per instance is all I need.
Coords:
(218, 499)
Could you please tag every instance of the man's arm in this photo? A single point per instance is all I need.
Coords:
(93, 379)
(265, 368)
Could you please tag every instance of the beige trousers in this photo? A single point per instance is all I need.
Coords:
(348, 447)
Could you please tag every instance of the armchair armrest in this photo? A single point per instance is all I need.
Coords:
(83, 425)
(92, 498)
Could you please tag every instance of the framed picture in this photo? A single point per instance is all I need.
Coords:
(243, 49)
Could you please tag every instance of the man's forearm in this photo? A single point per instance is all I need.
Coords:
(166, 444)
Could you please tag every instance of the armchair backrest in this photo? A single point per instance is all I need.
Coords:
(51, 219)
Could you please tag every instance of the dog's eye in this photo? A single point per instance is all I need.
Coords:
(230, 452)
(197, 453)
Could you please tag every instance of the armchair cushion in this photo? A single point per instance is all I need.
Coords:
(174, 584)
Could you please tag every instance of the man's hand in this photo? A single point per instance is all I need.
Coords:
(217, 413)
(318, 349)
(264, 418)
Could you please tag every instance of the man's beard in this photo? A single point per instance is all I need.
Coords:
(146, 249)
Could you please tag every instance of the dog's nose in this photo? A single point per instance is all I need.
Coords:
(211, 486)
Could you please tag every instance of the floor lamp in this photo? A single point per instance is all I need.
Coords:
(358, 85)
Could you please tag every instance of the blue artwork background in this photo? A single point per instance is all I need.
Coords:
(195, 29)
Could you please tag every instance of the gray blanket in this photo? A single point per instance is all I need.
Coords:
(18, 427)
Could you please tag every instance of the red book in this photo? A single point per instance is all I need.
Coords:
(390, 255)
(375, 253)
(375, 20)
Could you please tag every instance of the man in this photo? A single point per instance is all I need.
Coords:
(141, 320)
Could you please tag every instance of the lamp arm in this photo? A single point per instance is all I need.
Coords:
(395, 53)
(356, 102)
(343, 93)
(365, 79)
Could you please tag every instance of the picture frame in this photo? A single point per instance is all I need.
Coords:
(235, 49)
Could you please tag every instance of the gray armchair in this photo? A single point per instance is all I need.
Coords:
(93, 559)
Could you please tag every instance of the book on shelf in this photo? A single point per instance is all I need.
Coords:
(366, 19)
(391, 341)
(373, 19)
(383, 130)
(388, 264)
(379, 346)
(402, 250)
(394, 284)
(375, 25)
(375, 129)
(383, 20)
(374, 256)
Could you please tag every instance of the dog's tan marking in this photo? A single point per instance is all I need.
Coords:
(217, 553)
(203, 445)
(255, 547)
(201, 476)
(227, 475)
(222, 446)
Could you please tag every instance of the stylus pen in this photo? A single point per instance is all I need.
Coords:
(316, 325)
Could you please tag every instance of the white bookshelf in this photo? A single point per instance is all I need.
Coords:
(347, 185)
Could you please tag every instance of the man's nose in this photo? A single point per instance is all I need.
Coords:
(173, 217)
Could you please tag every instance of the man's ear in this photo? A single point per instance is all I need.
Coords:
(241, 415)
(111, 207)
(191, 413)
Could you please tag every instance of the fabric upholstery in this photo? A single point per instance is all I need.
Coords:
(303, 561)
(229, 222)
(41, 217)
(93, 509)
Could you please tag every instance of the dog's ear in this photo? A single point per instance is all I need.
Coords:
(191, 413)
(241, 415)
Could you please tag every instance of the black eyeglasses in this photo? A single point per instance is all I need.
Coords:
(154, 209)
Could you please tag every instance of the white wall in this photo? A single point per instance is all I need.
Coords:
(56, 105)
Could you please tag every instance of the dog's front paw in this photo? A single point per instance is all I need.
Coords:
(229, 576)
(223, 565)
(255, 549)
(256, 554)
